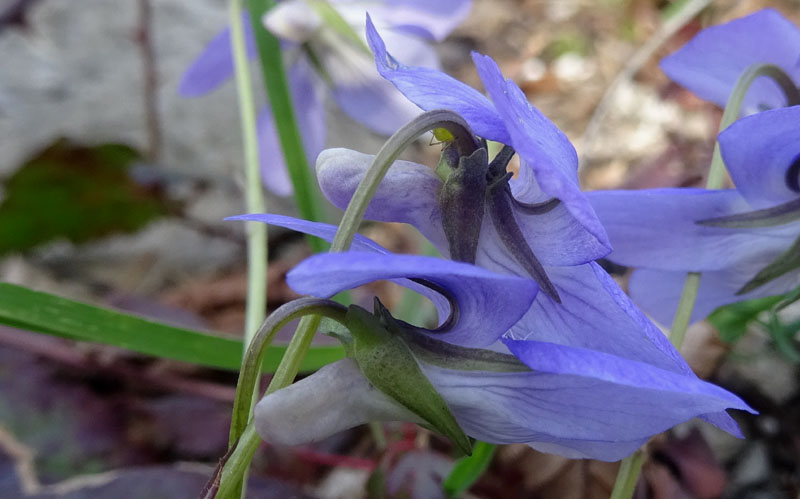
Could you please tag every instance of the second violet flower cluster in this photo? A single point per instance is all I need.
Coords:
(536, 343)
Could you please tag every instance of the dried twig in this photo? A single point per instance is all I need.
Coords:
(149, 79)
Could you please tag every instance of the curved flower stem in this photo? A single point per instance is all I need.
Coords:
(256, 232)
(273, 71)
(716, 175)
(354, 214)
(251, 366)
(452, 122)
(243, 440)
(733, 108)
(243, 437)
(631, 465)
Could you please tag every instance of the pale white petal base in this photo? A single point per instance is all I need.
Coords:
(335, 398)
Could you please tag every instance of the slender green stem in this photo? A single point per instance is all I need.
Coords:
(716, 175)
(247, 386)
(236, 467)
(683, 315)
(256, 232)
(335, 21)
(295, 351)
(629, 472)
(376, 430)
(273, 71)
(354, 214)
(631, 465)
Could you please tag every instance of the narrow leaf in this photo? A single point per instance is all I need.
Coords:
(332, 18)
(469, 469)
(731, 320)
(767, 217)
(49, 314)
(273, 71)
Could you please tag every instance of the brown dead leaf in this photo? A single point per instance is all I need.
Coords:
(548, 476)
(221, 300)
(703, 349)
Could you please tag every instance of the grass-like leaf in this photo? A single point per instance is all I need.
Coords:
(49, 314)
(732, 320)
(306, 192)
(469, 469)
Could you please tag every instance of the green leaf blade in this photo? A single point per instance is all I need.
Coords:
(732, 320)
(45, 313)
(469, 469)
(306, 192)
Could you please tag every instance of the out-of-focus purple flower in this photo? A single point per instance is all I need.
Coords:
(712, 61)
(351, 77)
(602, 377)
(657, 231)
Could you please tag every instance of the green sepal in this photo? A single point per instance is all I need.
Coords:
(787, 299)
(390, 366)
(785, 263)
(457, 358)
(767, 217)
(430, 350)
(334, 329)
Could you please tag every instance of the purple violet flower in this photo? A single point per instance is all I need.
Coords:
(711, 62)
(657, 230)
(580, 402)
(599, 377)
(354, 85)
